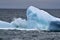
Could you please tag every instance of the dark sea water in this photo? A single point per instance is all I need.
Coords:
(9, 14)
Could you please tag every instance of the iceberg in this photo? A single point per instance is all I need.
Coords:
(19, 23)
(4, 24)
(40, 19)
(36, 19)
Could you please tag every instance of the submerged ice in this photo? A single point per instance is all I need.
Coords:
(36, 19)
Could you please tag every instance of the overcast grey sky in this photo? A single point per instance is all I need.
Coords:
(22, 4)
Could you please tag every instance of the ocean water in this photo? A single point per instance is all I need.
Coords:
(9, 14)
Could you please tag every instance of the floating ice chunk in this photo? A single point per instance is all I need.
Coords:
(36, 19)
(19, 23)
(39, 19)
(4, 24)
(54, 26)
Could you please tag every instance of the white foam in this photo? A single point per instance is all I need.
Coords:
(16, 29)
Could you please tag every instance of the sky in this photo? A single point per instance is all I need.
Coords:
(23, 4)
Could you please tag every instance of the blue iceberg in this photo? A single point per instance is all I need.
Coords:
(41, 19)
(36, 19)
